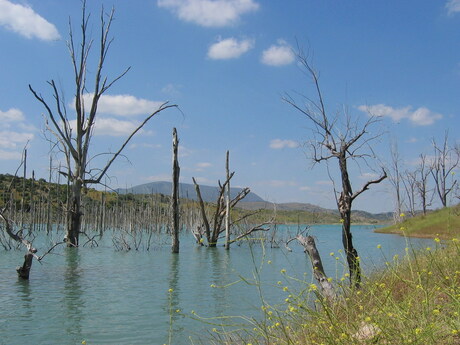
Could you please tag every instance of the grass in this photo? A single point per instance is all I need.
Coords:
(414, 300)
(443, 223)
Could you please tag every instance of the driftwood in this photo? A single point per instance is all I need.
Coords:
(175, 195)
(326, 286)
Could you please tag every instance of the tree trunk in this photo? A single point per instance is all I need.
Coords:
(345, 203)
(24, 270)
(318, 271)
(227, 206)
(74, 215)
(175, 195)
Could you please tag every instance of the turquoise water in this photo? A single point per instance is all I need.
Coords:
(108, 297)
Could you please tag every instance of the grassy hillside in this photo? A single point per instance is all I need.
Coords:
(414, 300)
(443, 223)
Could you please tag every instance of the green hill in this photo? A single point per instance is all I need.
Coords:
(442, 223)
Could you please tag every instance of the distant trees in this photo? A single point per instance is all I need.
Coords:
(73, 134)
(338, 137)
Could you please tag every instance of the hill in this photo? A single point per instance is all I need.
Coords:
(186, 191)
(443, 223)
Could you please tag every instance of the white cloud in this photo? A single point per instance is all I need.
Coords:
(24, 21)
(278, 55)
(419, 117)
(11, 115)
(112, 127)
(14, 140)
(229, 48)
(369, 176)
(280, 183)
(305, 188)
(453, 6)
(203, 165)
(210, 13)
(281, 144)
(9, 155)
(324, 183)
(121, 105)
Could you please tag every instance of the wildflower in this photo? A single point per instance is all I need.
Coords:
(283, 271)
(313, 287)
(279, 282)
(287, 300)
(269, 262)
(379, 246)
(201, 240)
(367, 319)
(177, 310)
(285, 288)
(213, 285)
(331, 254)
(402, 228)
(428, 248)
(402, 215)
(437, 240)
(454, 332)
(170, 290)
(436, 311)
(418, 330)
(214, 330)
(277, 324)
(342, 220)
(84, 342)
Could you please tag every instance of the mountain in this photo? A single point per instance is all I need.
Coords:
(187, 191)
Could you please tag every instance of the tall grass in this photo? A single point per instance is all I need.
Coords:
(415, 299)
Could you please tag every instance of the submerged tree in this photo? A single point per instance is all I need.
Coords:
(338, 137)
(74, 134)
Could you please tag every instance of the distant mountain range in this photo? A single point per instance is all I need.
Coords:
(251, 202)
(187, 191)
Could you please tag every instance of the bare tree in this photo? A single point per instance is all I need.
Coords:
(445, 160)
(344, 142)
(74, 135)
(175, 194)
(423, 173)
(410, 187)
(395, 179)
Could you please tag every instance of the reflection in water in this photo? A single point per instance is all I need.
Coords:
(72, 298)
(173, 302)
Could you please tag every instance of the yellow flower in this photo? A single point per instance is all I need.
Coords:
(402, 228)
(213, 285)
(285, 288)
(201, 240)
(379, 246)
(170, 290)
(402, 214)
(84, 342)
(437, 240)
(283, 271)
(269, 262)
(342, 220)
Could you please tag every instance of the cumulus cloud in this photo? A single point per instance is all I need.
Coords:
(14, 140)
(280, 183)
(453, 6)
(278, 55)
(419, 117)
(281, 144)
(203, 165)
(26, 22)
(121, 105)
(11, 115)
(112, 127)
(229, 48)
(210, 13)
(9, 155)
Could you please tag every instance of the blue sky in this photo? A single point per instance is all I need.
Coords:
(227, 64)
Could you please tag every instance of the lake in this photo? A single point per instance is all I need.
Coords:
(105, 296)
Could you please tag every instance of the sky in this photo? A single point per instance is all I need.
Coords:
(227, 64)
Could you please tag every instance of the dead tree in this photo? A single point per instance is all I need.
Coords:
(175, 195)
(74, 135)
(445, 160)
(346, 141)
(326, 286)
(213, 224)
(423, 172)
